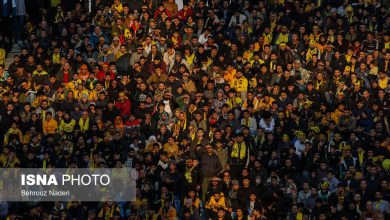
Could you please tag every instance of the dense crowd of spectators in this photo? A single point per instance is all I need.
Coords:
(227, 109)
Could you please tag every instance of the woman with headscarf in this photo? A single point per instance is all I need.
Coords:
(83, 72)
(152, 140)
(119, 126)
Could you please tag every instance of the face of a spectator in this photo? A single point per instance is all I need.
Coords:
(369, 206)
(239, 213)
(273, 57)
(373, 170)
(209, 149)
(98, 31)
(221, 214)
(189, 163)
(240, 139)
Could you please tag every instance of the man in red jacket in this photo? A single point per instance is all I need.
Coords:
(123, 105)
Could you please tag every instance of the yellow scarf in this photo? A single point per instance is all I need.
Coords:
(383, 83)
(106, 84)
(188, 175)
(183, 125)
(273, 25)
(119, 54)
(350, 18)
(282, 38)
(310, 53)
(211, 135)
(267, 38)
(58, 16)
(190, 59)
(319, 84)
(43, 115)
(84, 125)
(238, 152)
(378, 204)
(299, 216)
(67, 127)
(361, 157)
(56, 58)
(192, 136)
(91, 85)
(387, 45)
(247, 122)
(348, 58)
(91, 164)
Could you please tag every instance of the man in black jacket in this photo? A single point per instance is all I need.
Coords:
(210, 167)
(190, 177)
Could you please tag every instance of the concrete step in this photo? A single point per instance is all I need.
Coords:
(9, 59)
(15, 48)
(10, 56)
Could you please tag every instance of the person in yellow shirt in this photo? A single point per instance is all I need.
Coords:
(233, 101)
(189, 56)
(266, 102)
(383, 80)
(13, 131)
(283, 36)
(349, 55)
(80, 90)
(67, 123)
(5, 155)
(386, 43)
(171, 147)
(256, 60)
(117, 6)
(109, 210)
(312, 50)
(72, 85)
(216, 201)
(49, 124)
(336, 115)
(250, 100)
(167, 211)
(260, 43)
(32, 132)
(229, 74)
(11, 161)
(248, 54)
(240, 84)
(268, 36)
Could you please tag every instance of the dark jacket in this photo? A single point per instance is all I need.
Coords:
(210, 165)
(123, 64)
